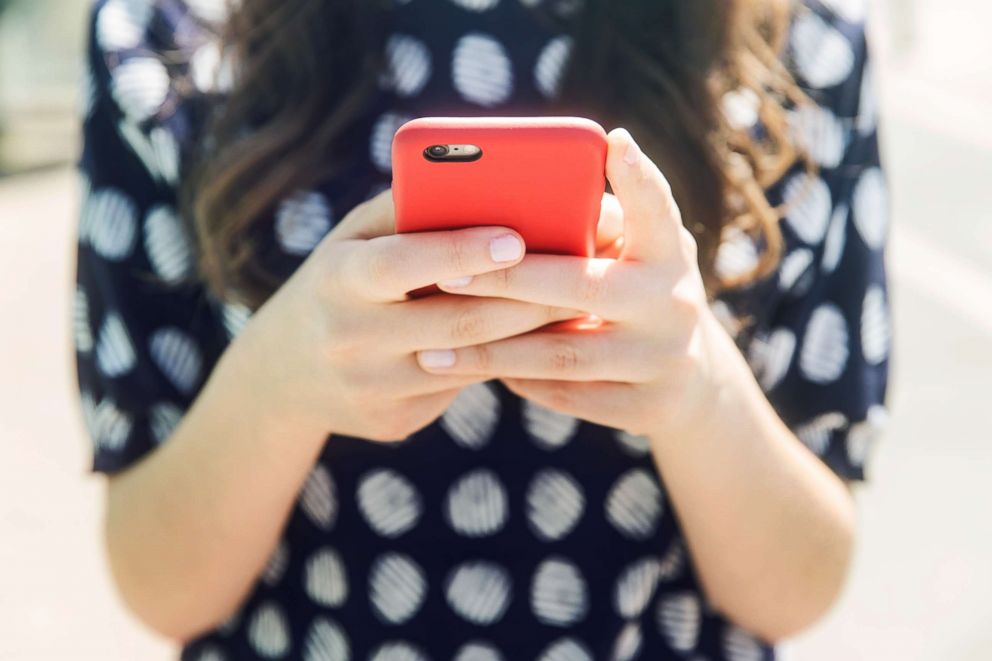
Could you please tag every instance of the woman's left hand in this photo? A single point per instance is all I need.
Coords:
(646, 367)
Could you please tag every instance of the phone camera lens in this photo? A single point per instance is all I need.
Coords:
(438, 151)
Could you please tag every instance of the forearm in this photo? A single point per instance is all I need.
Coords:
(190, 526)
(769, 526)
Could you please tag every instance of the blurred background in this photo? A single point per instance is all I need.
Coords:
(919, 587)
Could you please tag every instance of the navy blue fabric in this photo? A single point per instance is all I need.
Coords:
(503, 530)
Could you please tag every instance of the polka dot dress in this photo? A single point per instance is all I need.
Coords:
(504, 530)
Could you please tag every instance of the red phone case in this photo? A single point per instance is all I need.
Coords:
(542, 176)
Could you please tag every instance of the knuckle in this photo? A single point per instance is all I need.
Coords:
(471, 324)
(503, 279)
(379, 265)
(457, 254)
(592, 289)
(483, 358)
(563, 357)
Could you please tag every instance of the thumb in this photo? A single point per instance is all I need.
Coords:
(652, 221)
(373, 218)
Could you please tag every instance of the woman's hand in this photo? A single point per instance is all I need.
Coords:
(646, 365)
(335, 348)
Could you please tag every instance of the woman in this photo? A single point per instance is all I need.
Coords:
(304, 464)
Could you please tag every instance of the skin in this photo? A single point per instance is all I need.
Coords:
(323, 357)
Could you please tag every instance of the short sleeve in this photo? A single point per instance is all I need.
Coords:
(822, 344)
(146, 334)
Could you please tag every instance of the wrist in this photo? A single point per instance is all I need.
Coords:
(718, 380)
(258, 398)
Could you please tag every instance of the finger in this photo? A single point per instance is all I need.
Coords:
(592, 356)
(459, 321)
(600, 402)
(652, 221)
(387, 267)
(610, 226)
(374, 217)
(613, 290)
(411, 380)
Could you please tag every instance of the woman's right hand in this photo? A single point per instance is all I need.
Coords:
(334, 350)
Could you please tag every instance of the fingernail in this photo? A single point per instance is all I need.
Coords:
(505, 248)
(456, 282)
(633, 153)
(437, 359)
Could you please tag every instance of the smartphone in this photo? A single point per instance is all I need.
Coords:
(542, 176)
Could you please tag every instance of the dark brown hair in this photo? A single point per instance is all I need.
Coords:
(662, 68)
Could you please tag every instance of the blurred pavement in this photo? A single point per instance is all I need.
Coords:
(918, 591)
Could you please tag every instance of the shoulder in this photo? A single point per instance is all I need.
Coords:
(149, 63)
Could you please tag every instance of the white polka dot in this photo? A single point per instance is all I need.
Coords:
(235, 318)
(739, 645)
(157, 149)
(397, 651)
(478, 651)
(551, 65)
(820, 133)
(871, 208)
(628, 643)
(212, 11)
(737, 254)
(558, 593)
(476, 505)
(863, 435)
(177, 356)
(110, 223)
(389, 502)
(381, 141)
(875, 328)
(211, 653)
(808, 207)
(635, 587)
(82, 333)
(472, 417)
(672, 564)
(268, 631)
(634, 504)
(397, 587)
(867, 119)
(140, 86)
(825, 347)
(852, 11)
(680, 618)
(302, 220)
(408, 65)
(325, 579)
(122, 23)
(637, 445)
(771, 355)
(823, 56)
(795, 274)
(318, 499)
(476, 5)
(109, 426)
(114, 351)
(741, 108)
(482, 71)
(816, 433)
(554, 504)
(479, 591)
(212, 68)
(163, 419)
(566, 649)
(275, 568)
(167, 245)
(548, 428)
(326, 641)
(833, 245)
